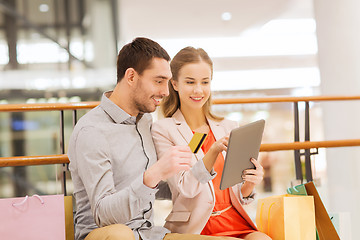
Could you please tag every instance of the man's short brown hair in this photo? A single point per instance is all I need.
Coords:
(138, 55)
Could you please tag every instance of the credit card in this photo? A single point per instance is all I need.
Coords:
(197, 141)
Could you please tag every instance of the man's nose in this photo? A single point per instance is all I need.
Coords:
(165, 90)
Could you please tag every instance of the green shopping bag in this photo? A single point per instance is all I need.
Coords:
(325, 230)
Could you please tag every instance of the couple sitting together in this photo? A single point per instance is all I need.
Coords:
(118, 156)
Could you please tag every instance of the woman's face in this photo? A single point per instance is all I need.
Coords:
(193, 85)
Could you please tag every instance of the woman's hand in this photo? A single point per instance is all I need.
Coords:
(217, 147)
(220, 145)
(254, 176)
(251, 178)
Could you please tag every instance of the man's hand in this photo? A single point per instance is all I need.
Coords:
(176, 159)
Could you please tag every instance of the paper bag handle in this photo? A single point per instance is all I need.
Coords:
(268, 216)
(26, 198)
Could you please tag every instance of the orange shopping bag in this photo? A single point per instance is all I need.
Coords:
(287, 217)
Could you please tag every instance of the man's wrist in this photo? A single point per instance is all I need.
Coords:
(150, 178)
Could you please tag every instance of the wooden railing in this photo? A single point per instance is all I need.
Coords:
(265, 147)
(33, 160)
(296, 145)
(90, 105)
(284, 99)
(46, 106)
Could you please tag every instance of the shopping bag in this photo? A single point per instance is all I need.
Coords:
(300, 190)
(69, 218)
(35, 217)
(342, 224)
(287, 217)
(325, 228)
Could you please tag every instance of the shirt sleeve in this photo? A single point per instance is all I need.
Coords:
(108, 205)
(188, 183)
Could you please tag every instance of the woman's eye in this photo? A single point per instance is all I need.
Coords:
(189, 82)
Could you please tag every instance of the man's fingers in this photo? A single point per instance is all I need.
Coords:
(184, 148)
(184, 156)
(184, 167)
(180, 152)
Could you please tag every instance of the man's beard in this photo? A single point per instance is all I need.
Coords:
(143, 108)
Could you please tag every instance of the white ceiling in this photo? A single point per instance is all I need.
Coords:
(194, 19)
(169, 19)
(202, 18)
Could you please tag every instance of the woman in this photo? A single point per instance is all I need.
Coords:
(199, 206)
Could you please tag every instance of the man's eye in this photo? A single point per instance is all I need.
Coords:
(205, 82)
(189, 82)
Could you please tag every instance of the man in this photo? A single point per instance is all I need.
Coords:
(113, 161)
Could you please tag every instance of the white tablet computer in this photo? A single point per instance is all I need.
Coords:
(244, 144)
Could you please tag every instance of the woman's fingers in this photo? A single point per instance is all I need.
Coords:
(254, 175)
(256, 163)
(252, 178)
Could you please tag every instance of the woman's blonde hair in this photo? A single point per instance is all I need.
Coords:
(185, 56)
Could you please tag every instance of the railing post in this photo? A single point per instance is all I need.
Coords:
(62, 149)
(74, 117)
(298, 169)
(308, 170)
(18, 149)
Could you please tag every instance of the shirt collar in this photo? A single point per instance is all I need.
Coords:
(115, 112)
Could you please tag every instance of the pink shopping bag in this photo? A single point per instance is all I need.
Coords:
(35, 217)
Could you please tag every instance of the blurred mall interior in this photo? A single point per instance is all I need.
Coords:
(65, 51)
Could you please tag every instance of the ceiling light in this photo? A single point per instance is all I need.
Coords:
(44, 7)
(226, 16)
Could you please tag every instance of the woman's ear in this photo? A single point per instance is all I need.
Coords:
(174, 84)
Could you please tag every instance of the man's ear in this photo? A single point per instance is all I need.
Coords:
(174, 84)
(130, 75)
